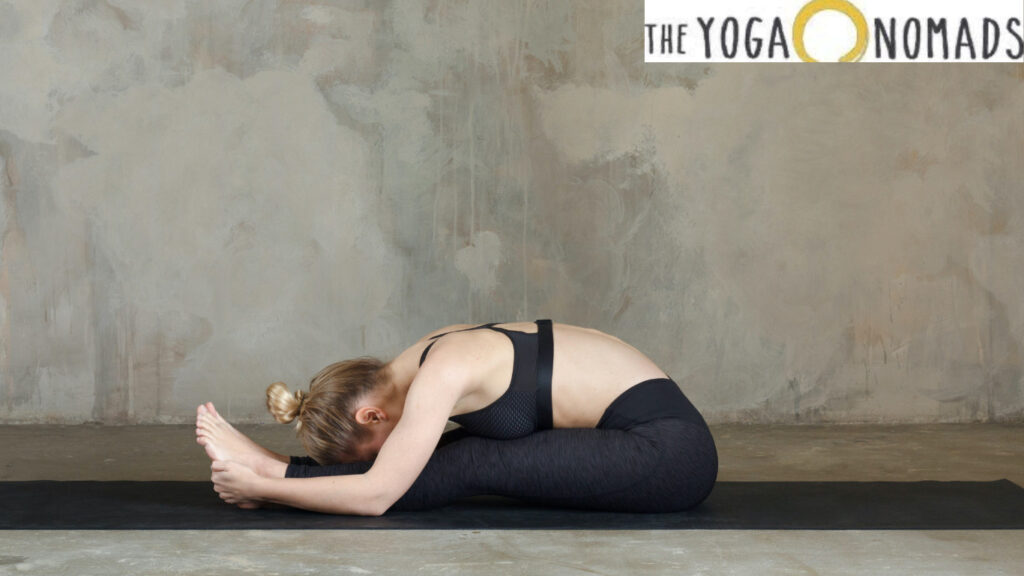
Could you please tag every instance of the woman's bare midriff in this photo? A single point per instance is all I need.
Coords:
(590, 370)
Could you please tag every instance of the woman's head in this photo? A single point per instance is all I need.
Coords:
(326, 417)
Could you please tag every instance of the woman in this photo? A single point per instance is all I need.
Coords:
(552, 414)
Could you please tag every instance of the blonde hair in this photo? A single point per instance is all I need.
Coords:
(324, 419)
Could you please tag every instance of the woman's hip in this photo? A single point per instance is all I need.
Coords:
(651, 399)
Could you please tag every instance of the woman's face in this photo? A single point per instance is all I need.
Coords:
(380, 429)
(378, 414)
(372, 446)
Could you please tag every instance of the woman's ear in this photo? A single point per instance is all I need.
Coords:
(370, 415)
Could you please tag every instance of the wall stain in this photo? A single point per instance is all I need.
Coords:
(911, 160)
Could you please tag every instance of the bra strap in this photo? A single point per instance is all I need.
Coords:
(423, 356)
(545, 358)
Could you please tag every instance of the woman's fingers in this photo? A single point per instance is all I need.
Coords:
(220, 476)
(223, 476)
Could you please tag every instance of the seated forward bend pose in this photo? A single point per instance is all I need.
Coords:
(552, 414)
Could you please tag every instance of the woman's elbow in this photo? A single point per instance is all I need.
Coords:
(375, 503)
(378, 506)
(368, 507)
(356, 503)
(380, 496)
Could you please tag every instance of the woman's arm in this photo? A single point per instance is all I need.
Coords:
(432, 394)
(349, 494)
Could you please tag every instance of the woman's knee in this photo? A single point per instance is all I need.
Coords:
(687, 471)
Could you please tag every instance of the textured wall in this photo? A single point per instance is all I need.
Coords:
(200, 198)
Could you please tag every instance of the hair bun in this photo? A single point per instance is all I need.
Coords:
(282, 404)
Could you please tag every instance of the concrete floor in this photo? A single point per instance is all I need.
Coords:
(849, 452)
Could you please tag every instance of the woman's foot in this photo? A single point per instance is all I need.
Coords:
(223, 442)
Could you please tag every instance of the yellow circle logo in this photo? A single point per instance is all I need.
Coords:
(842, 6)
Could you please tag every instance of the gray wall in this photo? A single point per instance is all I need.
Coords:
(200, 198)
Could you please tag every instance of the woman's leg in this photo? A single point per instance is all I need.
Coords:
(656, 466)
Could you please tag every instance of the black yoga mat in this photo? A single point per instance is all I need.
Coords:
(926, 505)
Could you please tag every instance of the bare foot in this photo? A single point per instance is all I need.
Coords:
(223, 442)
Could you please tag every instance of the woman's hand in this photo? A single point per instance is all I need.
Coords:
(235, 483)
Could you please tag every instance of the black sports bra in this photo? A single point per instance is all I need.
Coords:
(526, 405)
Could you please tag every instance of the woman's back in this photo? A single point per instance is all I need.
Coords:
(590, 368)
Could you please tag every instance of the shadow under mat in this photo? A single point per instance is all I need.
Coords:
(923, 505)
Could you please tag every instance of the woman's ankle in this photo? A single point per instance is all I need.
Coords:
(273, 468)
(279, 457)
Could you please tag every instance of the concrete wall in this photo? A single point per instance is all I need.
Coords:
(200, 198)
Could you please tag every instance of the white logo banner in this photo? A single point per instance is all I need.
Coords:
(834, 31)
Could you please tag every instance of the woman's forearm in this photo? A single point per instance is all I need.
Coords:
(347, 494)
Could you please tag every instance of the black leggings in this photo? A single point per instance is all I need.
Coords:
(651, 452)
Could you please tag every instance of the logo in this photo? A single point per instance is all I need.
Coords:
(834, 31)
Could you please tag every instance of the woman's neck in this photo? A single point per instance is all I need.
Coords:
(399, 377)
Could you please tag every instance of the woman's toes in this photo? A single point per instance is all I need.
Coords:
(213, 411)
(207, 422)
